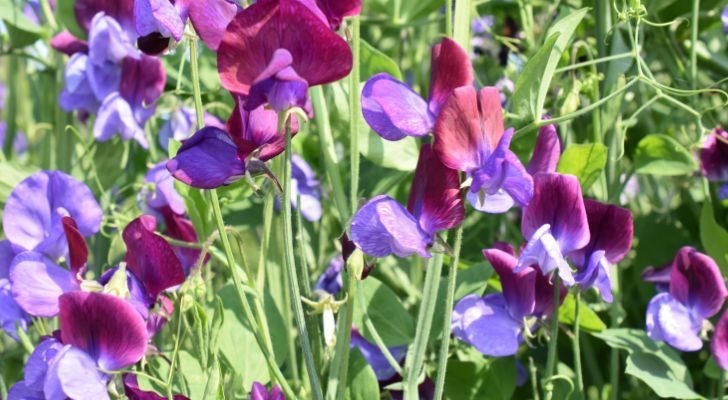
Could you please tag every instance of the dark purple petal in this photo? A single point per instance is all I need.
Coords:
(150, 258)
(375, 358)
(68, 44)
(484, 323)
(142, 82)
(382, 227)
(547, 152)
(134, 392)
(435, 198)
(120, 10)
(105, 327)
(157, 320)
(557, 202)
(164, 194)
(256, 131)
(337, 10)
(307, 187)
(158, 16)
(37, 283)
(210, 18)
(331, 281)
(77, 249)
(518, 287)
(36, 368)
(180, 228)
(611, 230)
(671, 321)
(258, 392)
(116, 116)
(11, 315)
(318, 55)
(393, 110)
(719, 341)
(714, 156)
(207, 160)
(450, 69)
(696, 282)
(74, 375)
(545, 296)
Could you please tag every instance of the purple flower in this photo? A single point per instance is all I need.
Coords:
(495, 324)
(382, 226)
(305, 185)
(259, 392)
(274, 50)
(120, 10)
(12, 315)
(696, 292)
(180, 228)
(724, 19)
(470, 137)
(554, 224)
(134, 392)
(162, 194)
(68, 44)
(714, 159)
(334, 11)
(719, 342)
(181, 124)
(547, 151)
(393, 110)
(331, 281)
(611, 231)
(375, 358)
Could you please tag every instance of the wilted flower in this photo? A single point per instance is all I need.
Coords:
(382, 226)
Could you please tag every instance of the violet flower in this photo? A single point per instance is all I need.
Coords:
(696, 292)
(159, 192)
(98, 333)
(554, 224)
(375, 358)
(259, 392)
(382, 226)
(331, 281)
(181, 125)
(305, 184)
(497, 323)
(120, 10)
(719, 342)
(393, 110)
(714, 160)
(333, 12)
(134, 392)
(274, 50)
(213, 157)
(470, 137)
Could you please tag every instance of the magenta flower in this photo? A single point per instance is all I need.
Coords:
(714, 160)
(554, 224)
(382, 226)
(213, 157)
(696, 292)
(120, 10)
(274, 50)
(393, 110)
(259, 392)
(719, 342)
(134, 392)
(546, 152)
(495, 324)
(470, 137)
(334, 11)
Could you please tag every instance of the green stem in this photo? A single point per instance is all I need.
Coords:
(534, 378)
(416, 354)
(340, 364)
(48, 14)
(548, 386)
(175, 352)
(448, 18)
(461, 30)
(354, 113)
(577, 347)
(721, 385)
(447, 324)
(693, 45)
(595, 61)
(614, 311)
(290, 264)
(603, 13)
(305, 284)
(375, 334)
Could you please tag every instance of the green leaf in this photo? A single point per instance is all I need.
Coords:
(401, 155)
(659, 154)
(654, 363)
(532, 85)
(362, 381)
(714, 237)
(495, 380)
(21, 30)
(586, 161)
(374, 61)
(588, 320)
(66, 14)
(392, 321)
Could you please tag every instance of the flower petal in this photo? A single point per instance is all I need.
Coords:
(39, 361)
(393, 110)
(258, 392)
(6, 258)
(134, 392)
(12, 316)
(142, 83)
(117, 116)
(670, 321)
(337, 10)
(21, 391)
(547, 151)
(120, 10)
(331, 281)
(207, 160)
(37, 283)
(307, 187)
(74, 375)
(210, 18)
(77, 249)
(105, 327)
(435, 198)
(181, 228)
(596, 273)
(543, 251)
(714, 156)
(696, 281)
(77, 93)
(719, 342)
(459, 141)
(450, 69)
(68, 44)
(375, 358)
(486, 324)
(382, 227)
(160, 16)
(518, 287)
(257, 130)
(150, 258)
(164, 193)
(611, 230)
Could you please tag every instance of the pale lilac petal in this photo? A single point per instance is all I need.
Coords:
(179, 126)
(543, 250)
(495, 203)
(37, 283)
(393, 110)
(207, 160)
(307, 187)
(596, 273)
(486, 324)
(670, 321)
(164, 194)
(161, 16)
(77, 93)
(73, 374)
(116, 117)
(382, 227)
(37, 366)
(21, 391)
(11, 315)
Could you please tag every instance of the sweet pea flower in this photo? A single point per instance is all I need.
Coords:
(159, 193)
(714, 160)
(181, 124)
(470, 137)
(554, 224)
(259, 392)
(719, 342)
(331, 281)
(394, 111)
(98, 333)
(375, 358)
(333, 12)
(274, 50)
(213, 157)
(134, 392)
(546, 152)
(120, 10)
(696, 292)
(495, 324)
(305, 184)
(382, 226)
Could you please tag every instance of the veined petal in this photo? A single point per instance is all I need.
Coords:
(207, 160)
(142, 83)
(696, 282)
(671, 321)
(486, 324)
(611, 230)
(543, 250)
(37, 283)
(73, 374)
(518, 287)
(103, 326)
(337, 10)
(210, 18)
(382, 227)
(547, 151)
(393, 110)
(459, 141)
(450, 69)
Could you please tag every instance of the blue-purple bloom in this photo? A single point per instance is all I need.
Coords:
(696, 292)
(305, 185)
(375, 358)
(331, 281)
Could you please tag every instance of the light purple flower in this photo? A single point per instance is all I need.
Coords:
(696, 292)
(259, 392)
(163, 193)
(331, 281)
(382, 226)
(375, 358)
(305, 185)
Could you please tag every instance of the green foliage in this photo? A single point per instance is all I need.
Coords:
(588, 319)
(392, 321)
(21, 30)
(362, 382)
(66, 14)
(659, 154)
(714, 238)
(492, 380)
(586, 161)
(374, 61)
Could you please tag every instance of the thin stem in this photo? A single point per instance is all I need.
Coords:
(290, 264)
(375, 334)
(551, 361)
(48, 14)
(534, 378)
(693, 45)
(175, 352)
(595, 61)
(340, 364)
(448, 18)
(614, 311)
(577, 347)
(306, 286)
(447, 325)
(416, 354)
(721, 385)
(354, 114)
